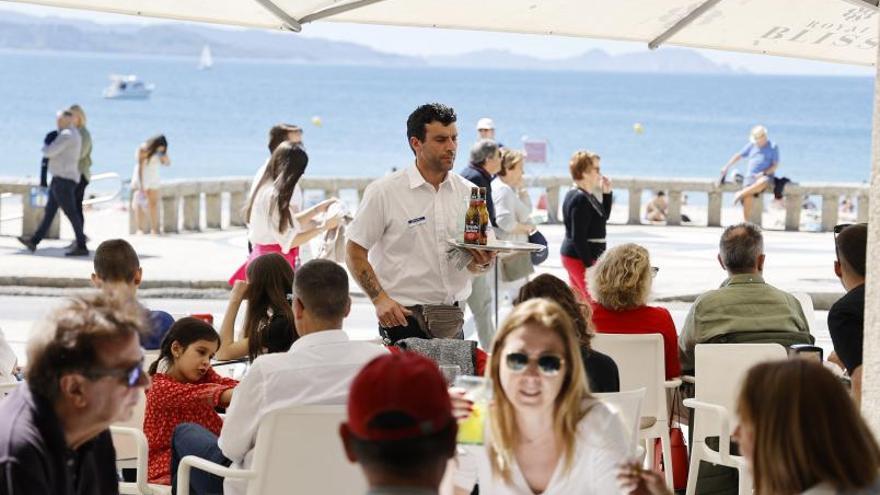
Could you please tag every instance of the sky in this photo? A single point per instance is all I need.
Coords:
(428, 42)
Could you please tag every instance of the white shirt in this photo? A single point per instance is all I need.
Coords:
(510, 210)
(317, 370)
(600, 447)
(263, 225)
(404, 223)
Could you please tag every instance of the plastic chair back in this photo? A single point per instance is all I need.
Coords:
(807, 307)
(640, 362)
(298, 449)
(628, 406)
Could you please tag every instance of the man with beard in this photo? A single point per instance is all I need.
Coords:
(397, 245)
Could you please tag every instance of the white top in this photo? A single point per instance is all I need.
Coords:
(263, 225)
(317, 370)
(600, 447)
(150, 173)
(297, 197)
(510, 210)
(404, 223)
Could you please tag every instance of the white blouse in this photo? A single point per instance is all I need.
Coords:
(510, 210)
(600, 447)
(263, 225)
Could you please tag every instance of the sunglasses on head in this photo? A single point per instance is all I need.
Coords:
(548, 364)
(130, 376)
(840, 228)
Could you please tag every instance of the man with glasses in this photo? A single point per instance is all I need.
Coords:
(846, 319)
(84, 373)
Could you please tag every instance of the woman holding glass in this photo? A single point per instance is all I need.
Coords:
(545, 432)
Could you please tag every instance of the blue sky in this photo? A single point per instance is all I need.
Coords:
(416, 41)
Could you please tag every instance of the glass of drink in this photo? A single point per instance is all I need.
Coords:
(450, 372)
(479, 391)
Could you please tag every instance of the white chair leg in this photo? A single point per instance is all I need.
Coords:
(694, 469)
(666, 445)
(745, 481)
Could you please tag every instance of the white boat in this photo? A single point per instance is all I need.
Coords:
(127, 88)
(206, 61)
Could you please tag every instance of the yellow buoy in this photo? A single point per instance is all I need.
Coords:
(317, 121)
(638, 128)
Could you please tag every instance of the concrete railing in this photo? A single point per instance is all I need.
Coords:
(190, 204)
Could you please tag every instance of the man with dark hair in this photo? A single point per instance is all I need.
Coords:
(744, 308)
(84, 373)
(846, 319)
(400, 426)
(318, 369)
(397, 243)
(118, 270)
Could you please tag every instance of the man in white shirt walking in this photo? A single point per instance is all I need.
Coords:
(318, 369)
(397, 245)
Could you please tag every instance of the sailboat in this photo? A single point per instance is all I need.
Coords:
(206, 61)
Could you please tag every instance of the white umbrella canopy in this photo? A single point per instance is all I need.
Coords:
(829, 30)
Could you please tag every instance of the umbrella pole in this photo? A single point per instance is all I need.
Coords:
(496, 295)
(871, 361)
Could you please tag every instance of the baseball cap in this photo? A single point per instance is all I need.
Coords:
(407, 385)
(485, 123)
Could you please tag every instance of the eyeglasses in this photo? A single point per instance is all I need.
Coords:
(130, 376)
(549, 364)
(654, 270)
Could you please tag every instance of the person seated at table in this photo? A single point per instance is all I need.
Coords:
(545, 433)
(400, 427)
(118, 269)
(268, 322)
(621, 282)
(185, 390)
(799, 432)
(602, 374)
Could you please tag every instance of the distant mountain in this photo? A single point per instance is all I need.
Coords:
(23, 32)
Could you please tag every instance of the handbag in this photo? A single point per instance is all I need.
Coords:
(678, 448)
(515, 267)
(539, 257)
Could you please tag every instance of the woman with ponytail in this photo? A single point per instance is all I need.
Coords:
(185, 390)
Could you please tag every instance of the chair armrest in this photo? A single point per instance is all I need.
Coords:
(191, 461)
(688, 379)
(674, 383)
(724, 418)
(140, 440)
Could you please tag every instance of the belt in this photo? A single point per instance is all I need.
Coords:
(457, 304)
(596, 241)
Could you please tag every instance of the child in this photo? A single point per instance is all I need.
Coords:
(185, 390)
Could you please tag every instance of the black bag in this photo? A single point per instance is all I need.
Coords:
(539, 257)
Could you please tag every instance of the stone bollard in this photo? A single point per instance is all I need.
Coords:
(673, 211)
(33, 215)
(793, 203)
(829, 211)
(170, 212)
(862, 211)
(213, 210)
(553, 204)
(191, 212)
(756, 212)
(635, 206)
(713, 215)
(236, 205)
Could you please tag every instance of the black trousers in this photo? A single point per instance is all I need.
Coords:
(80, 195)
(62, 193)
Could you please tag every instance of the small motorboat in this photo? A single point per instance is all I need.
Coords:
(127, 88)
(206, 61)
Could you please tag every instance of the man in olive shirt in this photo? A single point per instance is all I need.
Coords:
(744, 303)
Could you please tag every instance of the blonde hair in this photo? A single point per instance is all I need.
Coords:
(582, 162)
(757, 132)
(621, 279)
(79, 113)
(510, 159)
(569, 408)
(801, 416)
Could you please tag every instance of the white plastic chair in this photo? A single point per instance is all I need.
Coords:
(296, 448)
(628, 406)
(807, 307)
(641, 364)
(719, 370)
(7, 388)
(140, 486)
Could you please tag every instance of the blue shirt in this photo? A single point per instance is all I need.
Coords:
(760, 159)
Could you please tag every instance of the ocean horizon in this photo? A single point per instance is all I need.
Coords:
(216, 121)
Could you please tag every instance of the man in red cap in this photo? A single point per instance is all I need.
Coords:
(400, 425)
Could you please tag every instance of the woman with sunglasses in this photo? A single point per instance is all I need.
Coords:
(545, 432)
(620, 283)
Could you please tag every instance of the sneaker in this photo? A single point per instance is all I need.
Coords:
(77, 251)
(28, 243)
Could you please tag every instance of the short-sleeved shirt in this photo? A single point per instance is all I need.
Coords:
(404, 223)
(35, 458)
(846, 324)
(760, 159)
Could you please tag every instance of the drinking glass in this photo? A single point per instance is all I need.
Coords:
(479, 391)
(450, 372)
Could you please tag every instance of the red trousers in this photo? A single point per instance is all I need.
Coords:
(577, 276)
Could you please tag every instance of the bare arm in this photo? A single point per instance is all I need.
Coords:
(389, 312)
(856, 377)
(308, 214)
(735, 158)
(226, 397)
(229, 348)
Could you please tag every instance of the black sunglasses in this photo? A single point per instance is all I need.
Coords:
(130, 376)
(549, 364)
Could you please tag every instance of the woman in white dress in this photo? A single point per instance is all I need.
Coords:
(145, 182)
(546, 434)
(513, 209)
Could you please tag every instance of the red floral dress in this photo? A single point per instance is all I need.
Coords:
(170, 403)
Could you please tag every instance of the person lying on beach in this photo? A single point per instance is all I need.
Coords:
(763, 160)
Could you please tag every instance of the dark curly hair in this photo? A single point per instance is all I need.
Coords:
(424, 115)
(549, 287)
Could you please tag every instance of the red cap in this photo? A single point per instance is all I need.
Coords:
(406, 383)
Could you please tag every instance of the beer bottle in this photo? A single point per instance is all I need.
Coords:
(484, 218)
(472, 219)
